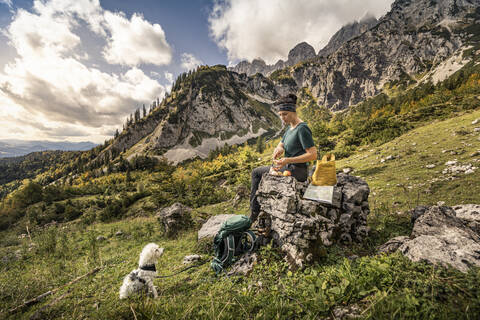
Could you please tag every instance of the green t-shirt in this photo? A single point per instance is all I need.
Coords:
(297, 140)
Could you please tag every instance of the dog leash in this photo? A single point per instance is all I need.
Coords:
(183, 270)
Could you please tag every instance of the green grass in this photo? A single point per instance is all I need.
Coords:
(382, 286)
(405, 181)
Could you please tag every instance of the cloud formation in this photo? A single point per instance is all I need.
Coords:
(268, 29)
(189, 61)
(135, 41)
(51, 92)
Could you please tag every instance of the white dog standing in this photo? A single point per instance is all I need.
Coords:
(136, 280)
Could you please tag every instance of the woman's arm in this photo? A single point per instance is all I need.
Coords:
(278, 150)
(310, 155)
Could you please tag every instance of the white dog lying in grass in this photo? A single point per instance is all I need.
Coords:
(142, 278)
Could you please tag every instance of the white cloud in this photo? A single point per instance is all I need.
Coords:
(189, 61)
(39, 35)
(48, 92)
(168, 76)
(86, 10)
(135, 41)
(155, 74)
(249, 29)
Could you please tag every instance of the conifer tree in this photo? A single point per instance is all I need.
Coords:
(137, 115)
(128, 177)
(260, 145)
(144, 111)
(107, 158)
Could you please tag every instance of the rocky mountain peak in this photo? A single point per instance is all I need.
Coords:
(419, 12)
(301, 52)
(367, 17)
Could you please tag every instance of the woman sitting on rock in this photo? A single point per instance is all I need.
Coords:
(297, 144)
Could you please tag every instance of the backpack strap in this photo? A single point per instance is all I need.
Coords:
(226, 259)
(230, 249)
(253, 239)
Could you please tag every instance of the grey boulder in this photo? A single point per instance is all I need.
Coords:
(175, 218)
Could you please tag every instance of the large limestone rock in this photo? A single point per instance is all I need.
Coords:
(470, 213)
(300, 227)
(210, 228)
(443, 236)
(175, 218)
(393, 244)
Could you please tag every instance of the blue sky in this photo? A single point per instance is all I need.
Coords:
(73, 70)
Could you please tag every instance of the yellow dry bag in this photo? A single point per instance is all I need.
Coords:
(325, 174)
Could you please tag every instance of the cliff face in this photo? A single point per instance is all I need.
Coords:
(414, 37)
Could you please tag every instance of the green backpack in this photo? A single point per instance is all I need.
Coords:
(232, 240)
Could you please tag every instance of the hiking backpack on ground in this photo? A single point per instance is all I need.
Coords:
(232, 240)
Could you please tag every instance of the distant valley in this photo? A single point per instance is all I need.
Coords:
(16, 148)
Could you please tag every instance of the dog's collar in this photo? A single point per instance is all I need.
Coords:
(148, 267)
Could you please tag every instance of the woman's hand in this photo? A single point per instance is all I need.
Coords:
(277, 152)
(280, 162)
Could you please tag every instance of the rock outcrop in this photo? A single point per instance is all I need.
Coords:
(302, 228)
(175, 218)
(442, 235)
(470, 213)
(393, 244)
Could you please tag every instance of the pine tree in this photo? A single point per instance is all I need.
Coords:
(109, 168)
(128, 177)
(106, 159)
(260, 145)
(144, 111)
(116, 133)
(137, 115)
